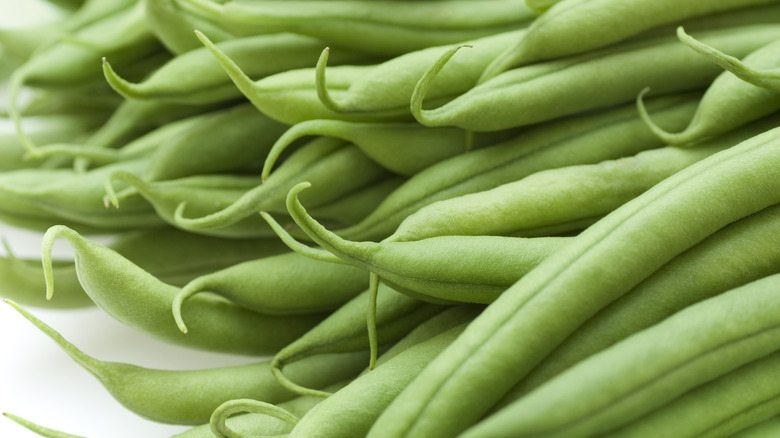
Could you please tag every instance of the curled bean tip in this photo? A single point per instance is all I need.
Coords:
(425, 82)
(321, 86)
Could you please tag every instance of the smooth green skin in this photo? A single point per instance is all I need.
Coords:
(728, 103)
(764, 429)
(134, 118)
(173, 26)
(285, 284)
(179, 257)
(68, 63)
(227, 140)
(357, 405)
(61, 127)
(562, 198)
(388, 86)
(339, 167)
(403, 148)
(21, 281)
(357, 205)
(641, 373)
(746, 396)
(251, 424)
(139, 147)
(761, 77)
(40, 430)
(583, 139)
(560, 30)
(740, 253)
(345, 331)
(139, 300)
(55, 195)
(383, 28)
(190, 396)
(574, 283)
(291, 97)
(196, 77)
(544, 91)
(444, 269)
(202, 195)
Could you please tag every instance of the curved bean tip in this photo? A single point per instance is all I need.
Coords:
(425, 82)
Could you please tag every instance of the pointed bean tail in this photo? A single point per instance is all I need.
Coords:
(51, 235)
(125, 88)
(300, 248)
(668, 137)
(242, 81)
(218, 419)
(425, 82)
(766, 78)
(37, 428)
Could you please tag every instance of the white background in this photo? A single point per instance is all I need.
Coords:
(39, 381)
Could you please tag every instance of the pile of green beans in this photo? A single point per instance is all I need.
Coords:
(434, 218)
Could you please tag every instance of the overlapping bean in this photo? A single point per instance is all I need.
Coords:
(548, 218)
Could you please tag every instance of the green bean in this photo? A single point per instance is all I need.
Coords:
(50, 128)
(253, 423)
(286, 284)
(66, 64)
(641, 374)
(561, 199)
(357, 205)
(592, 270)
(71, 196)
(173, 26)
(341, 167)
(20, 281)
(741, 252)
(257, 56)
(161, 395)
(359, 404)
(290, 97)
(752, 397)
(588, 138)
(558, 32)
(141, 146)
(615, 75)
(386, 28)
(471, 269)
(728, 103)
(388, 87)
(40, 430)
(344, 331)
(138, 299)
(403, 148)
(761, 77)
(764, 429)
(231, 139)
(202, 194)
